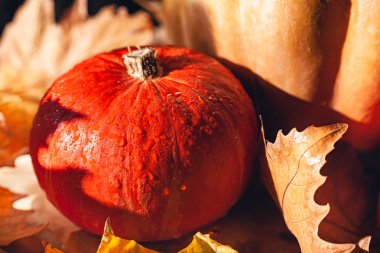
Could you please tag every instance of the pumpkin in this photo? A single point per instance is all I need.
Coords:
(318, 62)
(161, 140)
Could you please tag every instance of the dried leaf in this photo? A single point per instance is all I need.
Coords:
(113, 244)
(23, 180)
(204, 244)
(155, 7)
(16, 116)
(364, 243)
(34, 50)
(292, 174)
(14, 223)
(50, 248)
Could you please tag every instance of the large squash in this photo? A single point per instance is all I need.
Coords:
(318, 61)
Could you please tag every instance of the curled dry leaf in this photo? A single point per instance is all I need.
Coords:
(203, 243)
(113, 244)
(291, 171)
(14, 223)
(34, 50)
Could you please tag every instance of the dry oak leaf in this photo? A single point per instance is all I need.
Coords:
(34, 50)
(204, 244)
(291, 172)
(14, 223)
(113, 244)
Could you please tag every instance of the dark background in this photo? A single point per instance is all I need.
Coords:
(8, 8)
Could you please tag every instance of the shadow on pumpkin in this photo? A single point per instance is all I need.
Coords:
(50, 115)
(72, 188)
(64, 185)
(66, 190)
(334, 19)
(282, 111)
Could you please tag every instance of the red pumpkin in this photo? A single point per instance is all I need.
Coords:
(161, 142)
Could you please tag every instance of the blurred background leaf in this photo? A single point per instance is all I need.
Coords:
(44, 40)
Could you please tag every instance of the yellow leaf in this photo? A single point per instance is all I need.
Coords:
(16, 117)
(50, 248)
(14, 223)
(204, 244)
(292, 175)
(113, 244)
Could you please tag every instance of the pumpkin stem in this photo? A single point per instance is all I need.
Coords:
(142, 63)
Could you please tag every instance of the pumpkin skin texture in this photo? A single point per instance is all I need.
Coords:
(161, 156)
(318, 62)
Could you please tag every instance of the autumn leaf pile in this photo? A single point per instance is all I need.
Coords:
(324, 201)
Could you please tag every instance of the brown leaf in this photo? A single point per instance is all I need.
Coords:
(292, 174)
(14, 223)
(34, 50)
